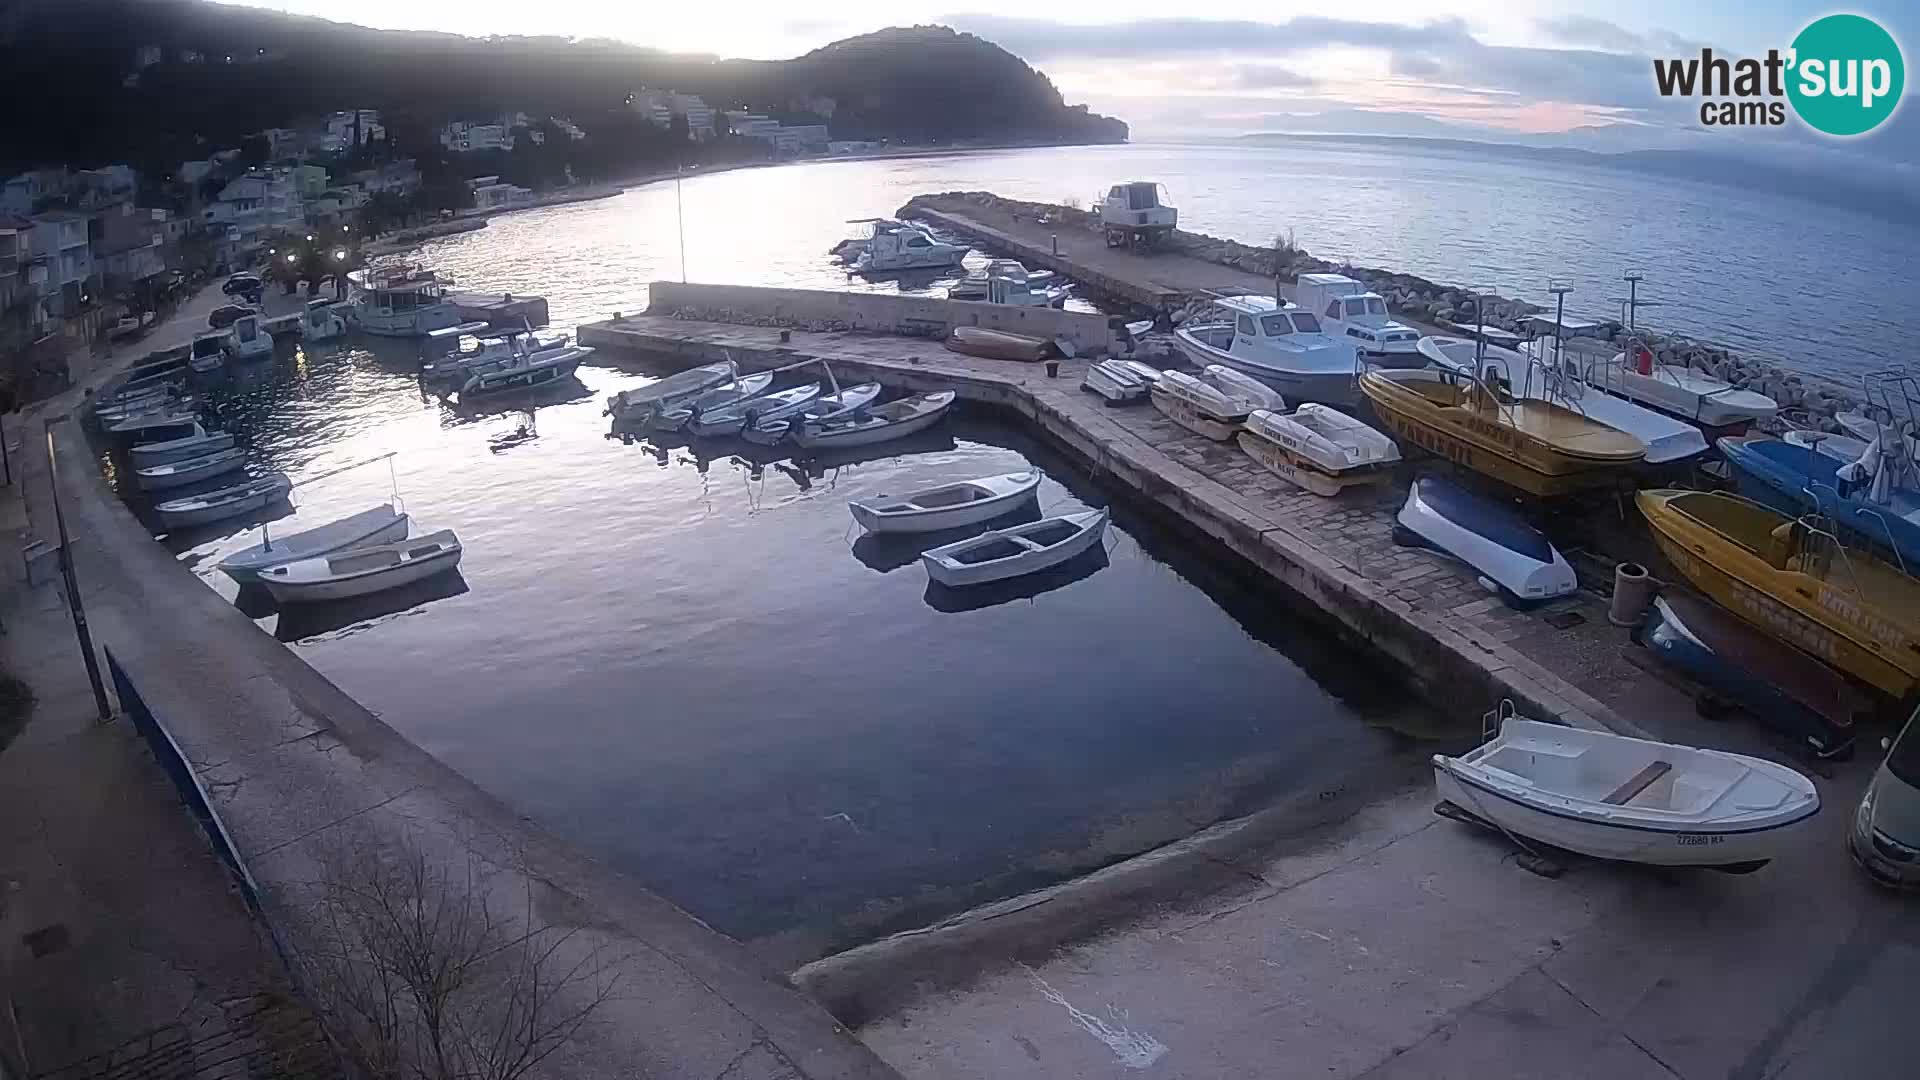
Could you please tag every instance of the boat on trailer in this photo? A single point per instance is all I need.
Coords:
(1201, 408)
(1518, 560)
(1011, 552)
(949, 506)
(1610, 796)
(377, 525)
(1320, 449)
(359, 571)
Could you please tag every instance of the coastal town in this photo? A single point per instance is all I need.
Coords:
(707, 572)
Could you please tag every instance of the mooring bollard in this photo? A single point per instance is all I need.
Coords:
(1053, 369)
(1056, 243)
(786, 336)
(1632, 592)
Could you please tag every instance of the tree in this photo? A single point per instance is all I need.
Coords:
(255, 150)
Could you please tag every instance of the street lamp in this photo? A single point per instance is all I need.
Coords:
(340, 256)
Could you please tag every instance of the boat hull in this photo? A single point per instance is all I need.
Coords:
(368, 527)
(418, 322)
(1779, 474)
(1488, 537)
(948, 517)
(1336, 388)
(1001, 569)
(1190, 416)
(261, 496)
(865, 433)
(407, 573)
(1302, 471)
(160, 454)
(193, 471)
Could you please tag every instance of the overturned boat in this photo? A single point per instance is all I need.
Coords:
(1115, 382)
(1518, 560)
(1320, 449)
(1199, 407)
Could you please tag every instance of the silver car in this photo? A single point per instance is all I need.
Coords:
(1885, 838)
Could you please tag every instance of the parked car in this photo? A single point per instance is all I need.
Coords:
(1885, 837)
(224, 315)
(242, 283)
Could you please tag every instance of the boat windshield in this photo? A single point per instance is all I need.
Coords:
(1376, 306)
(1903, 761)
(1275, 325)
(1305, 322)
(207, 346)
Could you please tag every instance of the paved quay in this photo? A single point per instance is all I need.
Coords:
(303, 776)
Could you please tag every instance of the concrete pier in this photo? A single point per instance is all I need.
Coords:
(1426, 613)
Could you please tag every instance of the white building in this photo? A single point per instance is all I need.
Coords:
(250, 209)
(63, 257)
(462, 137)
(661, 106)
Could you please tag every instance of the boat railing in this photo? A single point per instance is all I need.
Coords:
(1820, 543)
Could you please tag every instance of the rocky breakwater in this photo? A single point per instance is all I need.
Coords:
(1805, 402)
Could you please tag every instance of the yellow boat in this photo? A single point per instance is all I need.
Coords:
(1794, 580)
(1536, 446)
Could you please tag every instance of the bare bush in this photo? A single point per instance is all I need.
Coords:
(1283, 245)
(420, 980)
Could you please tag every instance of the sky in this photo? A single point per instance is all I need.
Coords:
(1571, 73)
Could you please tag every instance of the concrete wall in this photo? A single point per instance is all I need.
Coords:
(921, 316)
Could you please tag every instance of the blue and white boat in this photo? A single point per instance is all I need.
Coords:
(1512, 556)
(1796, 479)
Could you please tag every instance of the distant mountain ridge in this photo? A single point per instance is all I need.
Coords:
(227, 71)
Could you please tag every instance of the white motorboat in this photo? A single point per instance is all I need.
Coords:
(321, 321)
(226, 502)
(1234, 384)
(825, 409)
(949, 506)
(1863, 425)
(1284, 347)
(1842, 448)
(906, 246)
(209, 351)
(525, 370)
(1691, 395)
(881, 423)
(478, 346)
(377, 525)
(1320, 449)
(1635, 800)
(1199, 407)
(1347, 309)
(1011, 552)
(1115, 382)
(638, 403)
(361, 570)
(730, 419)
(1005, 281)
(744, 388)
(196, 442)
(402, 301)
(1515, 559)
(184, 471)
(248, 340)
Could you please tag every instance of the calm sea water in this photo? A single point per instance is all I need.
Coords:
(684, 660)
(1820, 290)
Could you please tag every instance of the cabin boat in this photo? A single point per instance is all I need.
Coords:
(376, 525)
(1769, 680)
(179, 472)
(905, 246)
(1794, 580)
(1132, 215)
(1014, 551)
(641, 402)
(209, 351)
(1536, 374)
(1005, 281)
(1514, 558)
(1678, 390)
(950, 506)
(1317, 448)
(242, 498)
(1535, 446)
(321, 321)
(881, 423)
(248, 340)
(159, 445)
(1798, 479)
(1200, 407)
(974, 285)
(405, 301)
(1347, 309)
(359, 571)
(1282, 346)
(1634, 800)
(825, 409)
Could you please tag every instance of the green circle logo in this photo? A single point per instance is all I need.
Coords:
(1846, 75)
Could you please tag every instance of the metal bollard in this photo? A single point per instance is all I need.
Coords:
(1056, 243)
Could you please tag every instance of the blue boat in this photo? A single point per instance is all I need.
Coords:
(1516, 558)
(1799, 480)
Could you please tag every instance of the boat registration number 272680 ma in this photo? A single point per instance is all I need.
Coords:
(1699, 839)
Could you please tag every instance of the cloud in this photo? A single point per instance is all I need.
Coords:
(1585, 30)
(1040, 39)
(1268, 77)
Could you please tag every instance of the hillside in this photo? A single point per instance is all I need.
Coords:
(259, 69)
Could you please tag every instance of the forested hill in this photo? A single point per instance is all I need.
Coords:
(67, 64)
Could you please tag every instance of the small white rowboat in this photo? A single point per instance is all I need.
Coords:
(199, 443)
(186, 471)
(1635, 800)
(894, 420)
(363, 570)
(226, 502)
(1022, 549)
(377, 525)
(1234, 384)
(742, 389)
(825, 409)
(730, 419)
(969, 502)
(635, 404)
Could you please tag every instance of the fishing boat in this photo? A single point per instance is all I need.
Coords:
(209, 351)
(248, 340)
(1539, 373)
(732, 418)
(183, 471)
(1776, 684)
(1199, 407)
(1535, 446)
(744, 388)
(196, 441)
(1678, 390)
(1281, 345)
(400, 301)
(359, 571)
(222, 503)
(825, 409)
(377, 525)
(526, 370)
(881, 423)
(1635, 800)
(637, 404)
(1514, 558)
(998, 344)
(1234, 384)
(1011, 552)
(949, 506)
(1794, 580)
(1349, 309)
(1017, 285)
(1115, 383)
(1799, 479)
(1320, 449)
